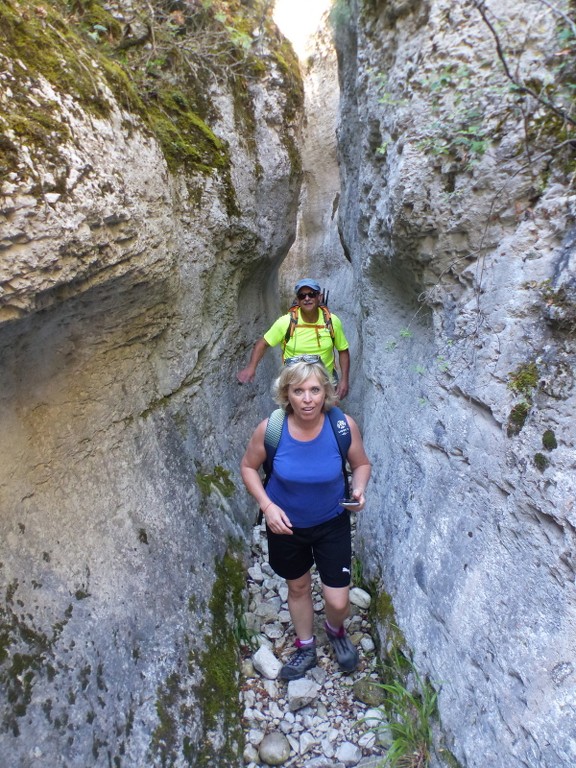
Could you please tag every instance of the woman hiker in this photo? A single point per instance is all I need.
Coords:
(306, 522)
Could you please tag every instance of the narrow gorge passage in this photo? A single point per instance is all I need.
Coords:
(168, 171)
(319, 720)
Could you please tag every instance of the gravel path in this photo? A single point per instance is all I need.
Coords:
(315, 722)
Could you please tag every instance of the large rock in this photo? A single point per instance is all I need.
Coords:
(274, 749)
(122, 421)
(461, 238)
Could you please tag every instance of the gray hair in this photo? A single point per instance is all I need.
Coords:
(298, 373)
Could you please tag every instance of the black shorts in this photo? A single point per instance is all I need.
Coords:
(329, 545)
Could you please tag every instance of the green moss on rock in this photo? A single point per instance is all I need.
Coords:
(219, 692)
(217, 709)
(524, 379)
(549, 441)
(219, 478)
(541, 461)
(25, 656)
(80, 49)
(165, 739)
(382, 614)
(447, 757)
(560, 307)
(186, 139)
(517, 418)
(42, 39)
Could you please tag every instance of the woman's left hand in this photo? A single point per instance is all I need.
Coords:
(358, 494)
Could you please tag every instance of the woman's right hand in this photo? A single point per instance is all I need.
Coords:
(277, 520)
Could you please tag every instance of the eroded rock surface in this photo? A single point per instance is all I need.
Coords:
(459, 222)
(121, 554)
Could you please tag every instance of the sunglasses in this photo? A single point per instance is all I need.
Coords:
(302, 359)
(307, 295)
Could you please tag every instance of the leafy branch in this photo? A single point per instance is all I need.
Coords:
(521, 87)
(207, 40)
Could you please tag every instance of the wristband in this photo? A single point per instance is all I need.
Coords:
(267, 505)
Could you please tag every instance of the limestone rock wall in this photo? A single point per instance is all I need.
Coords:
(122, 519)
(458, 213)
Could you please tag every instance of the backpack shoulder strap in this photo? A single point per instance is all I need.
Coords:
(343, 435)
(272, 438)
(341, 428)
(327, 320)
(292, 324)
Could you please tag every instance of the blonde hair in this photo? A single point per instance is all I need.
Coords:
(298, 373)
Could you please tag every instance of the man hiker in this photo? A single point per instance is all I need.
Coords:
(308, 329)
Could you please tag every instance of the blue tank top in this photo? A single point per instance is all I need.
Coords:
(307, 481)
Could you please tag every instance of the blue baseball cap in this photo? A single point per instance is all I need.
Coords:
(307, 282)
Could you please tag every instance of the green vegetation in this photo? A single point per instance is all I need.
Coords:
(25, 656)
(391, 344)
(443, 363)
(357, 577)
(204, 152)
(448, 759)
(219, 691)
(560, 307)
(465, 136)
(410, 708)
(170, 714)
(541, 461)
(382, 614)
(517, 418)
(245, 636)
(410, 702)
(216, 698)
(218, 479)
(161, 68)
(469, 122)
(523, 381)
(549, 441)
(42, 42)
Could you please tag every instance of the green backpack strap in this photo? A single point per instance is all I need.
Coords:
(271, 440)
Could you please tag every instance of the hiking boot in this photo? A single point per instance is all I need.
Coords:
(303, 659)
(346, 654)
